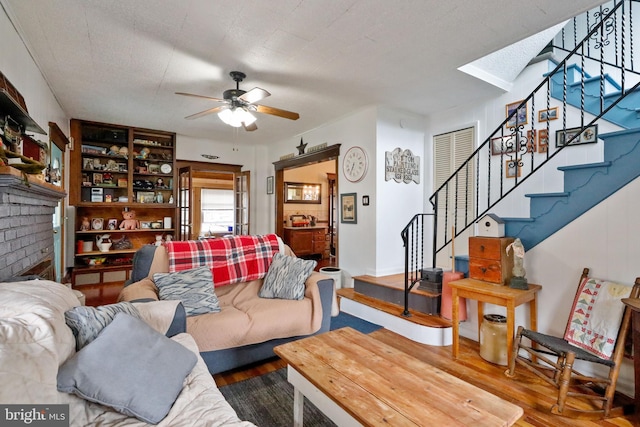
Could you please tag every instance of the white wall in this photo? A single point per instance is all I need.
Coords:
(395, 203)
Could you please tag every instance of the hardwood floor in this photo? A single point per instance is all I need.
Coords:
(96, 295)
(527, 391)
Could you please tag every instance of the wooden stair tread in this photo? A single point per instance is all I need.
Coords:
(395, 310)
(394, 281)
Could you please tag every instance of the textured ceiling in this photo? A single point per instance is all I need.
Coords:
(121, 61)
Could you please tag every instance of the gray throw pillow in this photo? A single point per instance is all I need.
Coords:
(87, 322)
(286, 277)
(193, 287)
(131, 368)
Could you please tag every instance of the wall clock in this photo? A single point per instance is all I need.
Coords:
(355, 164)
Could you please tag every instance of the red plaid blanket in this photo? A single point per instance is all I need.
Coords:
(232, 259)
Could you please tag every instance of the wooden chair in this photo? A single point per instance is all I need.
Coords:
(552, 358)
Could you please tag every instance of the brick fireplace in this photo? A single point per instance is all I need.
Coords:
(26, 224)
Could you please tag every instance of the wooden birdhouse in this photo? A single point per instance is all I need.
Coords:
(490, 225)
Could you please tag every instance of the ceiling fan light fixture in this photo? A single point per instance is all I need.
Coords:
(247, 117)
(236, 116)
(226, 116)
(238, 105)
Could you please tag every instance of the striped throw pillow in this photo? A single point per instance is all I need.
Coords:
(286, 277)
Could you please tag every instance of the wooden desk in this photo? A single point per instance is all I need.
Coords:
(634, 304)
(357, 380)
(493, 294)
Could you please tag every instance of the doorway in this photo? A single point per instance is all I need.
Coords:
(213, 200)
(317, 170)
(55, 175)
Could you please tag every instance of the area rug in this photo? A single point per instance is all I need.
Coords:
(345, 319)
(267, 401)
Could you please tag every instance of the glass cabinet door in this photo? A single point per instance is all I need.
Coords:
(184, 204)
(242, 203)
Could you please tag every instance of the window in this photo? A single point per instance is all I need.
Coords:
(217, 211)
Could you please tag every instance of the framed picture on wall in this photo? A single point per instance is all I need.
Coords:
(531, 141)
(503, 145)
(270, 185)
(512, 169)
(520, 118)
(587, 136)
(547, 115)
(543, 140)
(348, 208)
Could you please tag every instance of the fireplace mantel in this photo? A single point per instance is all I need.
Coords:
(13, 178)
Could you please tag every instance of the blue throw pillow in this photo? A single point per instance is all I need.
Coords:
(129, 367)
(193, 287)
(286, 277)
(87, 322)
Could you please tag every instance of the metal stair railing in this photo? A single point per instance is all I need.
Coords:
(413, 238)
(518, 148)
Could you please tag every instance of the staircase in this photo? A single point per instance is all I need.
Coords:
(625, 114)
(584, 101)
(600, 40)
(584, 187)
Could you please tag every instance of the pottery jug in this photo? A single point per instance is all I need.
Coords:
(104, 242)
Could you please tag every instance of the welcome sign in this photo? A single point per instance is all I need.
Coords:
(402, 166)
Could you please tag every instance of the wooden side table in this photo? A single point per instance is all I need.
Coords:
(494, 294)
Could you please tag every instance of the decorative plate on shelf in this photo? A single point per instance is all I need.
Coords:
(166, 168)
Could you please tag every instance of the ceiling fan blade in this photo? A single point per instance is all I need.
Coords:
(201, 96)
(277, 112)
(250, 128)
(254, 95)
(206, 112)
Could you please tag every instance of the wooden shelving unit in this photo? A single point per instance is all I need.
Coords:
(119, 168)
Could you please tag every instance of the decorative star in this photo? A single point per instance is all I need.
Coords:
(301, 147)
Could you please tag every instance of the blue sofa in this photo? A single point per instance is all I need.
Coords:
(150, 259)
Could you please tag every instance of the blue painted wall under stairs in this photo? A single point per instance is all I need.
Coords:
(584, 187)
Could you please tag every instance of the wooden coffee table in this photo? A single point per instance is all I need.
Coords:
(357, 380)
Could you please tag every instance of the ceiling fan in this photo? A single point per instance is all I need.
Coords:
(239, 104)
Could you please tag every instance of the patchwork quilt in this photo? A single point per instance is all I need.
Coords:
(596, 316)
(232, 259)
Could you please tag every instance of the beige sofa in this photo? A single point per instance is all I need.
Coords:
(35, 341)
(248, 327)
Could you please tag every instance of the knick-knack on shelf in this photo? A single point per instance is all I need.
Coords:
(86, 225)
